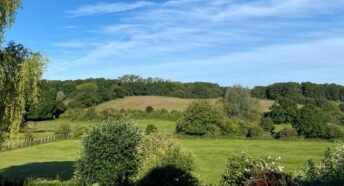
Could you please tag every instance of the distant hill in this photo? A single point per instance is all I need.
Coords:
(141, 102)
(161, 102)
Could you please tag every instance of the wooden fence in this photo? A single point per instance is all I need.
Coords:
(36, 141)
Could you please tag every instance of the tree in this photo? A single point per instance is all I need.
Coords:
(109, 154)
(20, 73)
(310, 122)
(239, 100)
(200, 118)
(8, 10)
(86, 94)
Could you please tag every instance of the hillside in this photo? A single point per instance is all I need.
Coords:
(141, 102)
(161, 102)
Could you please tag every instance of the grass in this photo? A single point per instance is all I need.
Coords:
(141, 102)
(55, 159)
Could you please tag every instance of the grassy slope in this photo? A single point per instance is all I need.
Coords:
(210, 154)
(141, 102)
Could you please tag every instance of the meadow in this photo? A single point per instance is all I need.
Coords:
(55, 160)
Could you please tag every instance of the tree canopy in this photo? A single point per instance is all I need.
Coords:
(20, 72)
(8, 10)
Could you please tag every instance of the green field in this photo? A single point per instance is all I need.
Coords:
(55, 159)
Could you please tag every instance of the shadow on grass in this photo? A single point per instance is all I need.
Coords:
(48, 170)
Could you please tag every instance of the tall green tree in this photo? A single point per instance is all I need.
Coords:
(86, 94)
(239, 101)
(8, 10)
(20, 72)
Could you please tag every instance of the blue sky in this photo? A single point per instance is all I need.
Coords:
(255, 42)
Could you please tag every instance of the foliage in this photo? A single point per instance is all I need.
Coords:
(161, 150)
(49, 106)
(301, 93)
(245, 170)
(29, 135)
(333, 132)
(73, 114)
(20, 72)
(255, 131)
(149, 109)
(310, 122)
(239, 101)
(151, 129)
(91, 114)
(200, 118)
(267, 124)
(109, 154)
(168, 175)
(8, 10)
(286, 132)
(79, 131)
(236, 127)
(63, 131)
(86, 95)
(341, 107)
(330, 172)
(284, 111)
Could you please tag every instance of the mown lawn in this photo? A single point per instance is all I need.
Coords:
(55, 159)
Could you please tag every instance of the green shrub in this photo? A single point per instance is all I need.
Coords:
(149, 109)
(333, 132)
(109, 154)
(244, 170)
(112, 113)
(330, 172)
(286, 132)
(73, 114)
(79, 131)
(199, 118)
(255, 131)
(91, 114)
(168, 176)
(162, 150)
(151, 129)
(236, 127)
(63, 131)
(267, 124)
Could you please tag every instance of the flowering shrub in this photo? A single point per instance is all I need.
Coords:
(245, 170)
(331, 172)
(159, 155)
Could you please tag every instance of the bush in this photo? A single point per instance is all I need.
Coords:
(267, 124)
(244, 170)
(73, 114)
(79, 131)
(91, 114)
(330, 172)
(333, 132)
(109, 154)
(149, 109)
(200, 118)
(286, 132)
(168, 176)
(151, 129)
(163, 151)
(63, 131)
(236, 127)
(255, 131)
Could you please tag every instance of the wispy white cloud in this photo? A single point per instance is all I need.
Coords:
(102, 8)
(260, 40)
